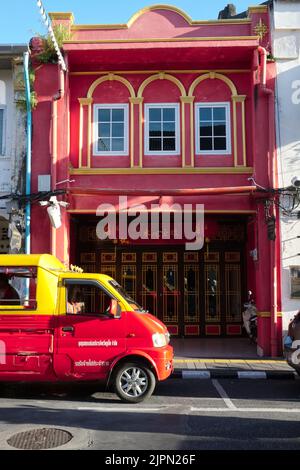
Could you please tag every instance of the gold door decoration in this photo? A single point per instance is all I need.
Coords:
(170, 293)
(191, 293)
(149, 288)
(108, 257)
(129, 279)
(212, 293)
(88, 257)
(109, 270)
(233, 293)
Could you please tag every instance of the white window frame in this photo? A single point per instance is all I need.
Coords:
(177, 129)
(96, 152)
(3, 130)
(224, 104)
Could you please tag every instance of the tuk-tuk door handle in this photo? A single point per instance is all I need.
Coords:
(68, 329)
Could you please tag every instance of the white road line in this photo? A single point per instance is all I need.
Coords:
(247, 410)
(223, 395)
(118, 409)
(244, 374)
(195, 374)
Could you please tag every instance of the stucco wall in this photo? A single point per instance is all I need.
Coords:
(286, 49)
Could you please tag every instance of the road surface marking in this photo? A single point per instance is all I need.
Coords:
(195, 374)
(223, 395)
(259, 374)
(248, 410)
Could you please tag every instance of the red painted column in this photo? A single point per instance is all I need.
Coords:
(263, 287)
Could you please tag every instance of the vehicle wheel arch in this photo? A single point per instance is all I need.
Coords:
(131, 358)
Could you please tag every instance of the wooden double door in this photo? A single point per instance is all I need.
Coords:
(195, 293)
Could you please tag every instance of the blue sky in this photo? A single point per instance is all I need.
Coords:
(20, 20)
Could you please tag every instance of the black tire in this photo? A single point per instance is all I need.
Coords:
(143, 385)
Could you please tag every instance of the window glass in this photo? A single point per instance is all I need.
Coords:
(1, 131)
(111, 128)
(18, 286)
(295, 282)
(86, 299)
(213, 128)
(162, 123)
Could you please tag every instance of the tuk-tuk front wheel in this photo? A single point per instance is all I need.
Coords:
(134, 382)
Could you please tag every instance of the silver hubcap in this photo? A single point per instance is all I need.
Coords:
(134, 382)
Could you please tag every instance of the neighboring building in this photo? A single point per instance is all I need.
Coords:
(12, 133)
(160, 109)
(286, 49)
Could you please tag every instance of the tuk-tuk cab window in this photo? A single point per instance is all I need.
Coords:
(295, 282)
(18, 287)
(86, 299)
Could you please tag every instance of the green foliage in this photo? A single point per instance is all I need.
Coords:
(48, 55)
(21, 99)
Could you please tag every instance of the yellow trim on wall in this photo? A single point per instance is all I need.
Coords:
(234, 133)
(140, 12)
(244, 134)
(143, 40)
(258, 9)
(212, 76)
(80, 134)
(85, 101)
(89, 139)
(110, 76)
(141, 132)
(161, 76)
(163, 171)
(150, 72)
(56, 16)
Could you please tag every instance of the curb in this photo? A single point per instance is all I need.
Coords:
(233, 374)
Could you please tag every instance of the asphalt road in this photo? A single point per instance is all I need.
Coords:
(182, 415)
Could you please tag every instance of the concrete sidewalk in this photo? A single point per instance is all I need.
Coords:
(232, 369)
(228, 358)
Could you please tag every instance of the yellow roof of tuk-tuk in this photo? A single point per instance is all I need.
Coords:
(45, 261)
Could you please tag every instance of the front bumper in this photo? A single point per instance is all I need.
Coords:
(164, 361)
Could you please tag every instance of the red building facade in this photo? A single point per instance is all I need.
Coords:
(165, 110)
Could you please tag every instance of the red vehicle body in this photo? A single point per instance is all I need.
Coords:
(39, 341)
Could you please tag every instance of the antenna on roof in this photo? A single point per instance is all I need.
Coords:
(48, 25)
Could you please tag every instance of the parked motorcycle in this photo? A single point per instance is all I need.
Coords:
(250, 318)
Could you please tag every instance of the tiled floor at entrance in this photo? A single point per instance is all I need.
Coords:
(223, 348)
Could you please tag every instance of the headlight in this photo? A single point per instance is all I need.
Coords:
(159, 340)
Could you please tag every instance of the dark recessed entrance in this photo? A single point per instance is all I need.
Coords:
(195, 293)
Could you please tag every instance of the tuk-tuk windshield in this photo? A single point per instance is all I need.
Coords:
(136, 307)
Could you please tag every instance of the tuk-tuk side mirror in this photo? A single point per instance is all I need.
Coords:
(115, 309)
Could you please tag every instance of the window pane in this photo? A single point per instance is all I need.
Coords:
(169, 114)
(206, 144)
(205, 129)
(118, 115)
(169, 144)
(118, 145)
(169, 129)
(219, 114)
(104, 130)
(104, 115)
(205, 114)
(155, 129)
(155, 114)
(220, 129)
(118, 129)
(155, 144)
(1, 130)
(103, 145)
(220, 144)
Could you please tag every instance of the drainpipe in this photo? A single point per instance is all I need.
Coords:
(272, 182)
(28, 150)
(58, 96)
